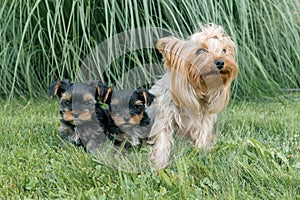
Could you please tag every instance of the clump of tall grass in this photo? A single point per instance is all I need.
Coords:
(42, 41)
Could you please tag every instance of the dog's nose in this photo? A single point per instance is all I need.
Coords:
(219, 64)
(75, 114)
(126, 119)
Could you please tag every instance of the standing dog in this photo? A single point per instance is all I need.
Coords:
(195, 88)
(82, 117)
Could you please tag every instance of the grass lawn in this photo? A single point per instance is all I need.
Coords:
(257, 156)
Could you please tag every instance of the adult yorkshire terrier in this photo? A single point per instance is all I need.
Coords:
(195, 88)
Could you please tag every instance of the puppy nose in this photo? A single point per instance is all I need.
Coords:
(219, 64)
(126, 119)
(75, 114)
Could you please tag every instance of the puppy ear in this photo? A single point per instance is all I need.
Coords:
(59, 87)
(103, 92)
(106, 95)
(145, 96)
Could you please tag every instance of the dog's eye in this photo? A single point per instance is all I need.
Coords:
(224, 50)
(137, 108)
(66, 103)
(116, 107)
(91, 102)
(200, 51)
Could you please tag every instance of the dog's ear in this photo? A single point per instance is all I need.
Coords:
(103, 92)
(59, 87)
(145, 96)
(166, 46)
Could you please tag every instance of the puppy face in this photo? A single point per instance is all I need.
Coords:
(127, 108)
(78, 100)
(78, 103)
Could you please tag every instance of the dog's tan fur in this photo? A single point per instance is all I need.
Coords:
(193, 91)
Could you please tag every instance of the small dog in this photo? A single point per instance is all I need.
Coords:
(195, 88)
(82, 117)
(129, 119)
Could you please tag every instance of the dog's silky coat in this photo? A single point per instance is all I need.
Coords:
(82, 119)
(195, 88)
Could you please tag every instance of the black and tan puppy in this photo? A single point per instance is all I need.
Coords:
(82, 117)
(127, 109)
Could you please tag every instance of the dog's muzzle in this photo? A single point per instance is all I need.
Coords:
(219, 64)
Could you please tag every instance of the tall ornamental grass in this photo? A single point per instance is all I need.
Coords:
(42, 41)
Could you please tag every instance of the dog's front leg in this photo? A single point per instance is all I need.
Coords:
(92, 137)
(162, 138)
(202, 132)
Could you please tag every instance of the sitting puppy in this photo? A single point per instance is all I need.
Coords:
(82, 117)
(129, 119)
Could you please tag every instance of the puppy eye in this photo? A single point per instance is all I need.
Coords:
(116, 107)
(137, 107)
(66, 103)
(91, 102)
(200, 51)
(224, 50)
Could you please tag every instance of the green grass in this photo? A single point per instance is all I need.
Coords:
(257, 156)
(42, 41)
